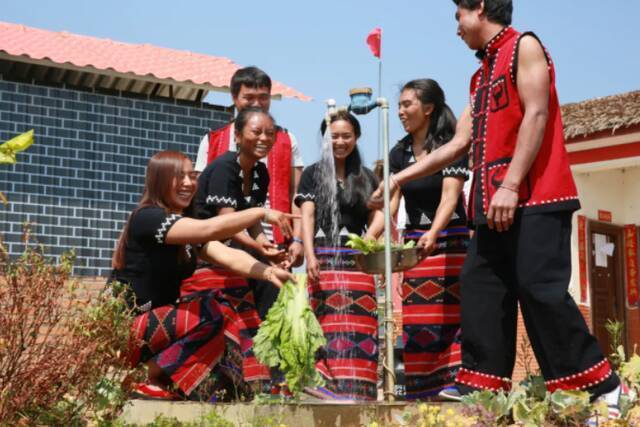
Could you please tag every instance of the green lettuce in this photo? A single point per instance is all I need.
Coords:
(290, 336)
(369, 246)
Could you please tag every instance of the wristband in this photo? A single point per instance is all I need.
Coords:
(296, 240)
(506, 187)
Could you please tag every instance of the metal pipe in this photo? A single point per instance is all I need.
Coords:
(389, 366)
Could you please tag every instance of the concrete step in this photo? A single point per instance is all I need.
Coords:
(308, 414)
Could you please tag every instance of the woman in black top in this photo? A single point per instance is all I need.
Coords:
(237, 181)
(180, 340)
(343, 298)
(436, 220)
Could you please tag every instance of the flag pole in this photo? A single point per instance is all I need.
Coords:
(379, 110)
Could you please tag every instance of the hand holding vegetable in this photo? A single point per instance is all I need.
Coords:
(277, 276)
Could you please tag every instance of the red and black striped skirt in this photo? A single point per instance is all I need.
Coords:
(195, 342)
(344, 301)
(235, 289)
(431, 315)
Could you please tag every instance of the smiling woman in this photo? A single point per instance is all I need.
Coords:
(343, 299)
(156, 251)
(238, 181)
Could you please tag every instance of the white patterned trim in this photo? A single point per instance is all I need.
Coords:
(217, 200)
(161, 232)
(456, 171)
(584, 373)
(499, 165)
(305, 196)
(546, 202)
(145, 307)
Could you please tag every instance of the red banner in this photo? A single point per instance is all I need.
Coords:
(605, 216)
(631, 254)
(582, 256)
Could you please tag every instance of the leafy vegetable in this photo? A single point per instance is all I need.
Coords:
(290, 336)
(371, 245)
(9, 149)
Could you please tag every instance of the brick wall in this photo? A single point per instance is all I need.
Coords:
(524, 354)
(85, 172)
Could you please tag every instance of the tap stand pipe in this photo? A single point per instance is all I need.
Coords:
(389, 366)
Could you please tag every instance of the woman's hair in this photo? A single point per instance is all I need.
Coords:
(244, 115)
(357, 186)
(443, 122)
(162, 168)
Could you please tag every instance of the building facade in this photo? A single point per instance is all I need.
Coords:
(603, 141)
(100, 109)
(77, 184)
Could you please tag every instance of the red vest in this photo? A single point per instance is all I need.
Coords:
(497, 116)
(279, 166)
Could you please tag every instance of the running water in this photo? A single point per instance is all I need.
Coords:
(327, 207)
(327, 204)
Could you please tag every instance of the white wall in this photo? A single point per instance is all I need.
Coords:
(616, 191)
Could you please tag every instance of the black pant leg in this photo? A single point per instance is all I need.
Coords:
(489, 314)
(265, 294)
(568, 355)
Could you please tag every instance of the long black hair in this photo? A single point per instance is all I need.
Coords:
(357, 185)
(443, 122)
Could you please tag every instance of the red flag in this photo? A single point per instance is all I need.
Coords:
(374, 40)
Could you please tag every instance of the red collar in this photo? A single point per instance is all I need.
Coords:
(497, 42)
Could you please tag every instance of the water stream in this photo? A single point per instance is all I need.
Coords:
(327, 207)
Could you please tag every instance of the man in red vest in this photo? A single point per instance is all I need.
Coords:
(521, 203)
(251, 87)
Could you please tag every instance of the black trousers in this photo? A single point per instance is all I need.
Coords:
(530, 264)
(265, 294)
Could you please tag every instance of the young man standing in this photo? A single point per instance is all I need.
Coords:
(521, 203)
(251, 87)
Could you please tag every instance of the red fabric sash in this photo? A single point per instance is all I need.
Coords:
(279, 166)
(280, 178)
(218, 142)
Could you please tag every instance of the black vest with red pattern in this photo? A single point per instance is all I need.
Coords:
(497, 115)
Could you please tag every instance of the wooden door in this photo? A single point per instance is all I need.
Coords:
(607, 280)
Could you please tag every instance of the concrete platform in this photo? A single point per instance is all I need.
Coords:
(312, 414)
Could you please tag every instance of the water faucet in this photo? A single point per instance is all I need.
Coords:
(361, 102)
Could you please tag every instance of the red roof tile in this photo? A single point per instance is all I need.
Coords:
(141, 60)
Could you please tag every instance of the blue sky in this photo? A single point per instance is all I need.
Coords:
(319, 47)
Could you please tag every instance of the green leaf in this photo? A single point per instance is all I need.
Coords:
(290, 336)
(18, 143)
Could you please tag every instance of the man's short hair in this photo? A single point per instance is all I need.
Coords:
(252, 77)
(498, 11)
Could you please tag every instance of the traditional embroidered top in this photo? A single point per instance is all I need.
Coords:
(220, 186)
(497, 115)
(353, 217)
(422, 196)
(153, 268)
(279, 167)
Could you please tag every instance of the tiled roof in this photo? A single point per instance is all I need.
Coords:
(212, 72)
(601, 114)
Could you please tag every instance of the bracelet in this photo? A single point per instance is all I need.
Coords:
(296, 240)
(506, 187)
(268, 273)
